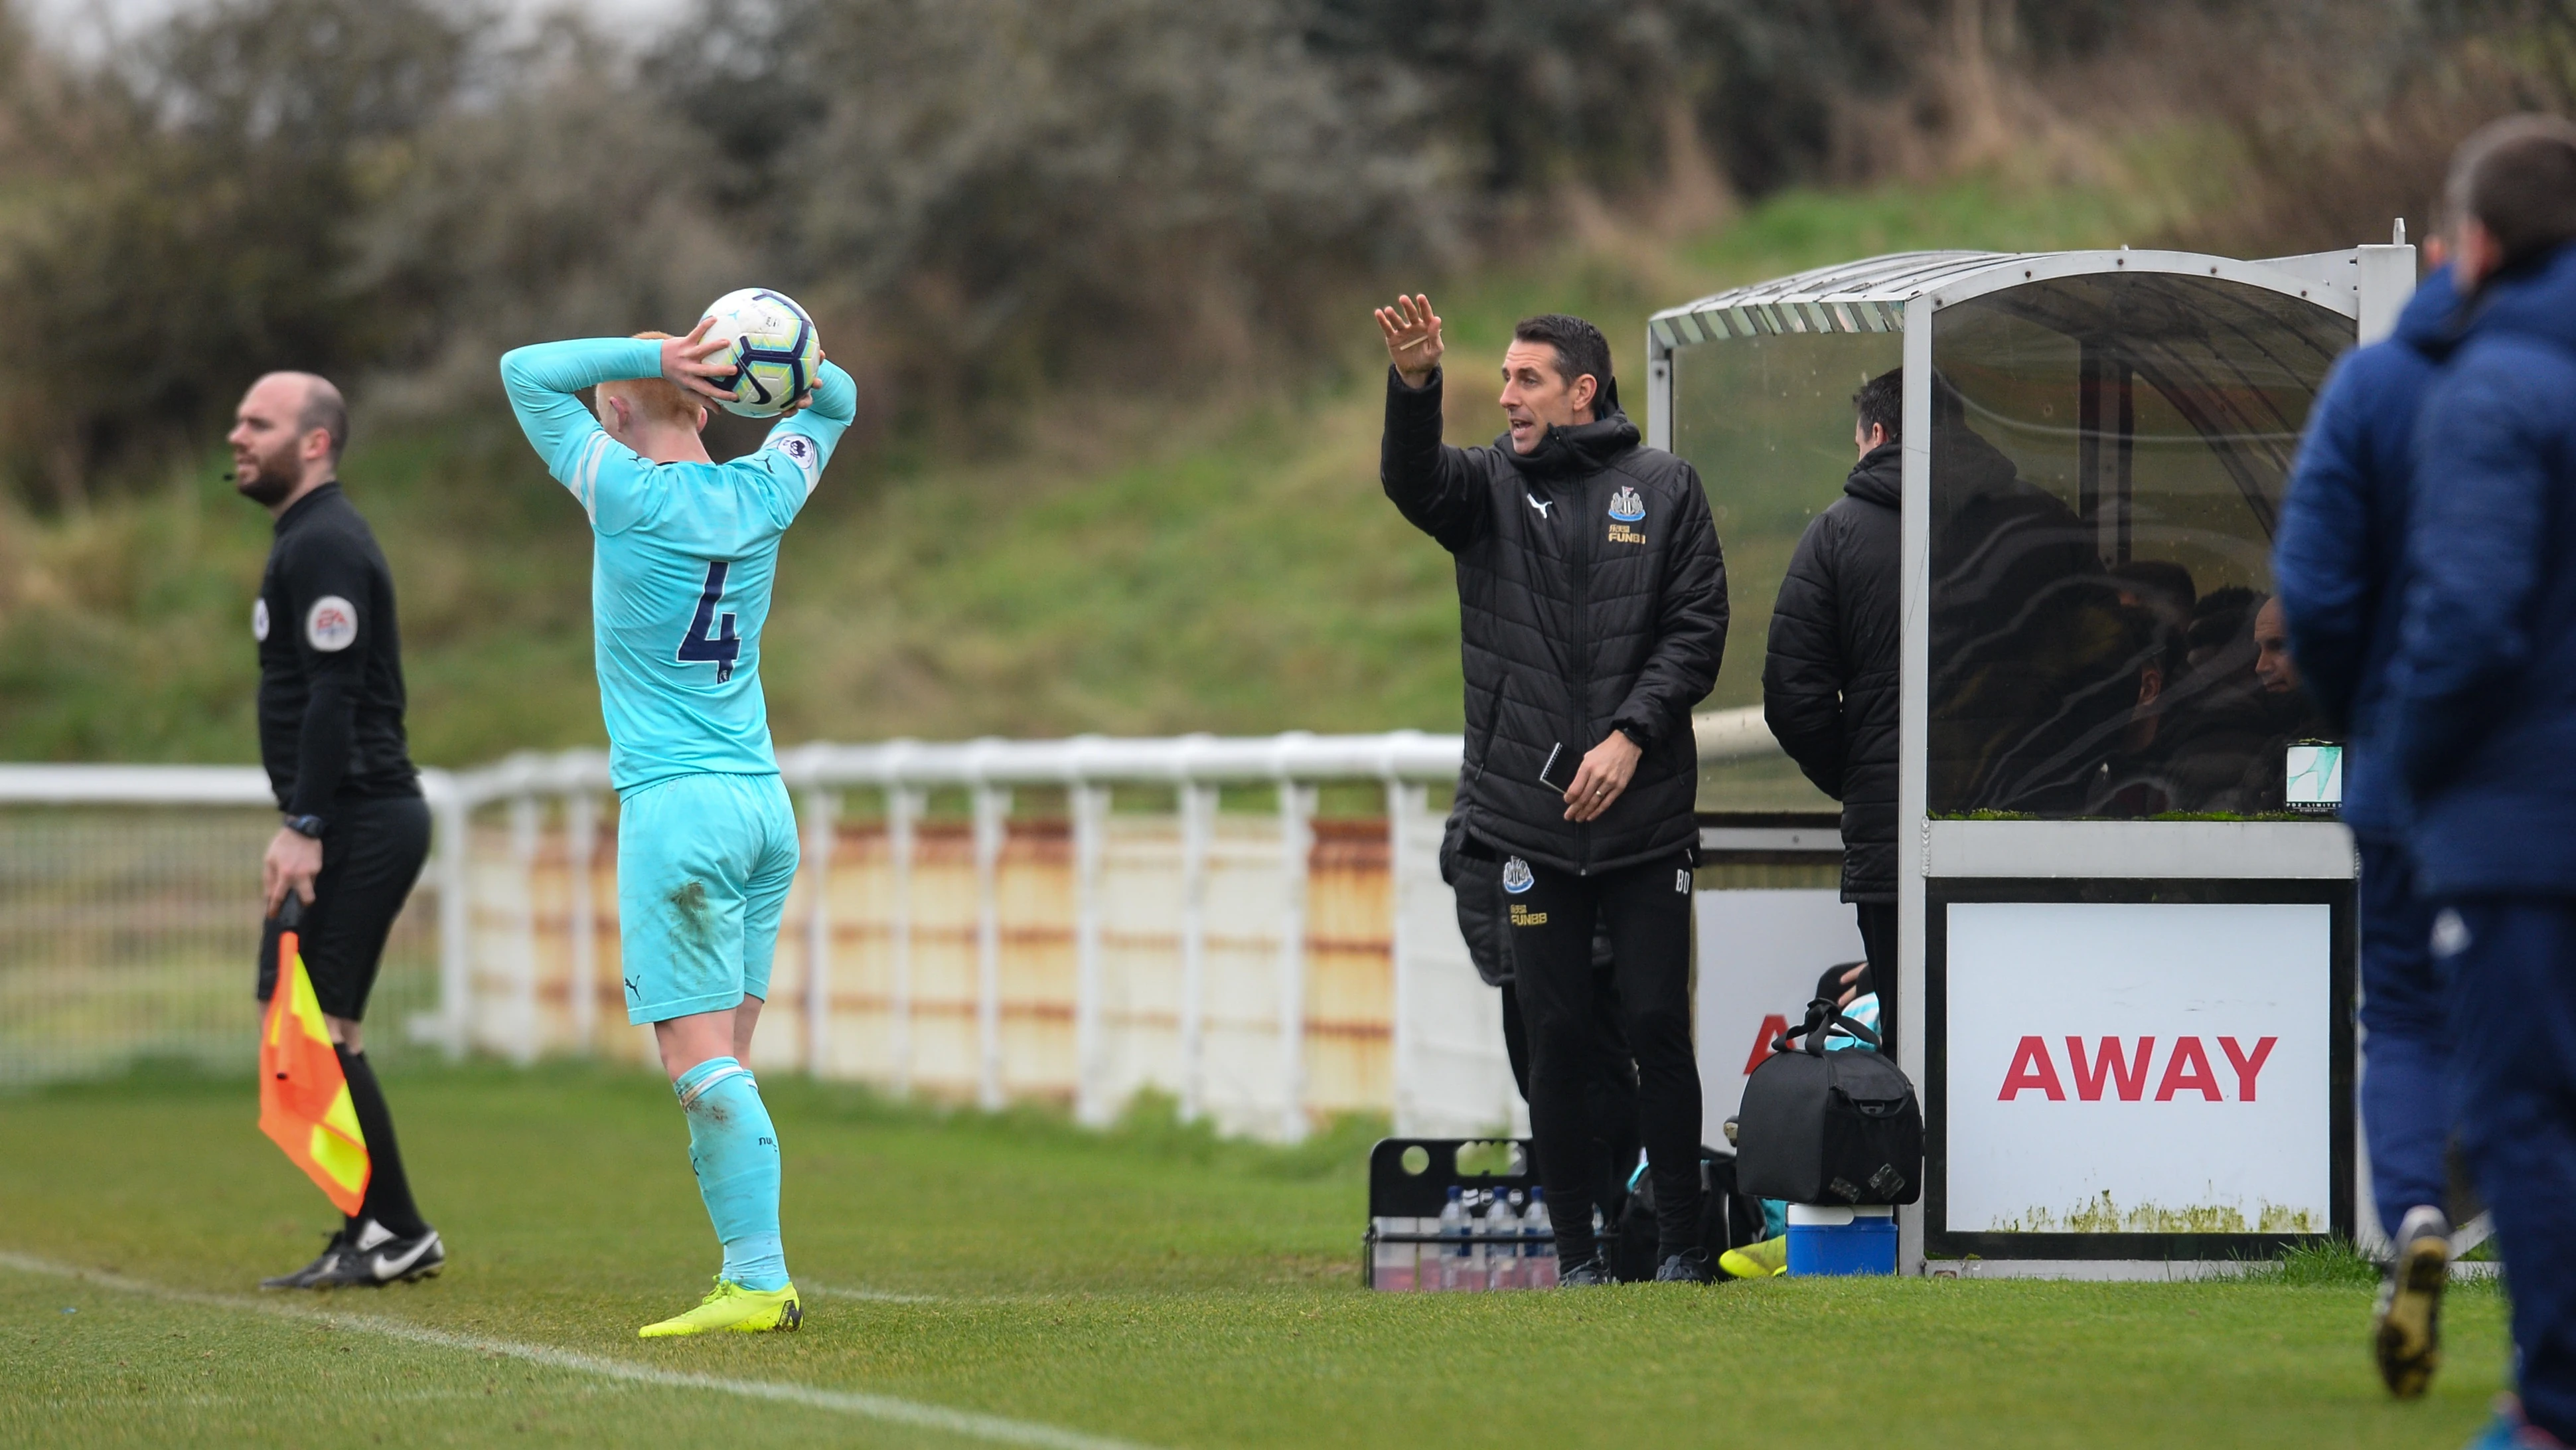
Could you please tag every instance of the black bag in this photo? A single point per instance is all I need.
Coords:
(1729, 1219)
(1829, 1127)
(1732, 1218)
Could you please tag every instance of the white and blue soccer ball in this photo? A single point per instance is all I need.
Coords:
(774, 349)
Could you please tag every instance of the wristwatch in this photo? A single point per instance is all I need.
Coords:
(305, 826)
(1636, 736)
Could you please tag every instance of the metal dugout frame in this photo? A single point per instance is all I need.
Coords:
(1941, 860)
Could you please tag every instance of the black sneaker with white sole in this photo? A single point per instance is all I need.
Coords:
(1690, 1266)
(303, 1277)
(2406, 1326)
(377, 1255)
(1590, 1274)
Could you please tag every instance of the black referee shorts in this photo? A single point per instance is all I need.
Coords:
(372, 852)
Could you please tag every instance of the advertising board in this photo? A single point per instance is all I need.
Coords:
(2128, 1068)
(1760, 953)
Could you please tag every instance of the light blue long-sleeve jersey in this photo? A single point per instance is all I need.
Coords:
(682, 561)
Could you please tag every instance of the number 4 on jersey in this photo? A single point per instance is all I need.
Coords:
(708, 638)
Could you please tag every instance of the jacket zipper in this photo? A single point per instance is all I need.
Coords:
(1580, 558)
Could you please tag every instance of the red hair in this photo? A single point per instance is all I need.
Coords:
(656, 399)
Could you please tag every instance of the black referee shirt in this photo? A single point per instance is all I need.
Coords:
(330, 662)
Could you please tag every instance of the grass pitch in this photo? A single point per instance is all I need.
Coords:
(980, 1280)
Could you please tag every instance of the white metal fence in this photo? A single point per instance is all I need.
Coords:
(129, 919)
(1256, 927)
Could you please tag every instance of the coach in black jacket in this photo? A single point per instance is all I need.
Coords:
(1592, 602)
(1829, 682)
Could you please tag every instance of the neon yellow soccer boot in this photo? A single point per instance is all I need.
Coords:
(1766, 1260)
(730, 1306)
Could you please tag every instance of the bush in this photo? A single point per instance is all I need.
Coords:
(1018, 196)
(191, 228)
(989, 199)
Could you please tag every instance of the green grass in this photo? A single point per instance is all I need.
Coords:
(1221, 564)
(1151, 1284)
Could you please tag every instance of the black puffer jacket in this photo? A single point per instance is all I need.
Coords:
(1591, 597)
(1829, 685)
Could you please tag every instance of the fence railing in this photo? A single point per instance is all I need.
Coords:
(1256, 927)
(129, 919)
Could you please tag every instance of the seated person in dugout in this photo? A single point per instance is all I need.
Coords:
(2063, 687)
(2222, 726)
(2033, 660)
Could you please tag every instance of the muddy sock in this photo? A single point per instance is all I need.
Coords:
(734, 1149)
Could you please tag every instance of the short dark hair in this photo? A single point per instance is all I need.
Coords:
(2517, 176)
(2160, 576)
(1881, 400)
(325, 409)
(1580, 349)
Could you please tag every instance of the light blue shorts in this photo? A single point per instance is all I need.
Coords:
(703, 867)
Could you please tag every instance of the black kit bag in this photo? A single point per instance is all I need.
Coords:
(1839, 1127)
(1729, 1219)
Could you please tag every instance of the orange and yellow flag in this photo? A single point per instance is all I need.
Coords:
(303, 1098)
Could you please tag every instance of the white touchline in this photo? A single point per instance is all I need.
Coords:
(967, 1423)
(872, 1296)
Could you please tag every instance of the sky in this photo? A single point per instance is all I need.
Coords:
(84, 24)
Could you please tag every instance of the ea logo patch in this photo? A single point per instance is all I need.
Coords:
(259, 619)
(800, 450)
(1626, 507)
(1517, 877)
(331, 625)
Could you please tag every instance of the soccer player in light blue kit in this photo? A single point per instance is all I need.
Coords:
(685, 550)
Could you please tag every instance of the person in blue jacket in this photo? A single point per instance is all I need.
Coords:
(2338, 564)
(2481, 721)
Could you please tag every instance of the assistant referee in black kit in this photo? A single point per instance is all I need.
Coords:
(331, 735)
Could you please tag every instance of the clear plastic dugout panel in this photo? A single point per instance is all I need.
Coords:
(2109, 454)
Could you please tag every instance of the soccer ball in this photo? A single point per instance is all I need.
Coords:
(775, 349)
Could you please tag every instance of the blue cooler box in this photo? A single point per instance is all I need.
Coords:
(1835, 1240)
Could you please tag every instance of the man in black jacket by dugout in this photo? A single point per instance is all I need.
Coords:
(1592, 610)
(1829, 681)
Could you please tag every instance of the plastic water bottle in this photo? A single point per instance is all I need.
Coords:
(1454, 1247)
(1538, 1255)
(1471, 1257)
(1395, 1265)
(1502, 1260)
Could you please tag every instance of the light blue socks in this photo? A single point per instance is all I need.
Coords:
(734, 1151)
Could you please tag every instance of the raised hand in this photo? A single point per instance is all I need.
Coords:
(689, 362)
(1412, 338)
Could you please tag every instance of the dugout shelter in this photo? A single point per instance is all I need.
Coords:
(2127, 940)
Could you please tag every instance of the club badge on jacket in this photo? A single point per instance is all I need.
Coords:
(1626, 508)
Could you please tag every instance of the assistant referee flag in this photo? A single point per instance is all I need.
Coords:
(303, 1098)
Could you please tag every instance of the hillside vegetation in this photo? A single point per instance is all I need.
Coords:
(1225, 566)
(1101, 268)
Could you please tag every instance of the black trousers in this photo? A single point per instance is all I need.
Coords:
(1878, 943)
(372, 852)
(1647, 912)
(1610, 1102)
